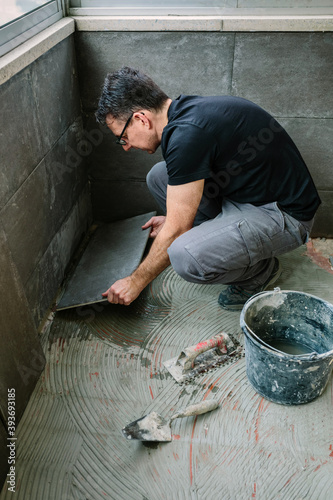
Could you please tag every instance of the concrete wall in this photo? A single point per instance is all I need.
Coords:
(44, 210)
(289, 74)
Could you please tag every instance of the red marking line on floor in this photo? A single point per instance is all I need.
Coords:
(61, 343)
(289, 480)
(211, 387)
(257, 422)
(317, 257)
(191, 451)
(156, 473)
(318, 466)
(151, 392)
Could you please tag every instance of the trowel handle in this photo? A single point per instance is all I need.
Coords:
(197, 409)
(188, 355)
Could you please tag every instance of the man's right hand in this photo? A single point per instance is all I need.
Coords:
(155, 223)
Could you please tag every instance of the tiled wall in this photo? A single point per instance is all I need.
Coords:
(44, 200)
(44, 210)
(289, 74)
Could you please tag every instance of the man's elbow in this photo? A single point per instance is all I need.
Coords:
(175, 230)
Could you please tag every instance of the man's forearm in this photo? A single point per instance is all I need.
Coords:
(156, 261)
(182, 205)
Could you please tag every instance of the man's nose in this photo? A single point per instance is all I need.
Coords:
(126, 147)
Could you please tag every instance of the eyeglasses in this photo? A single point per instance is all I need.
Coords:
(119, 140)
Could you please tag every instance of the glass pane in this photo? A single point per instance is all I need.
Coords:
(158, 3)
(12, 9)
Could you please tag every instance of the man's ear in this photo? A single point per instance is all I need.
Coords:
(142, 117)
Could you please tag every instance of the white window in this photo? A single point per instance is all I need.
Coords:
(22, 19)
(186, 7)
(149, 7)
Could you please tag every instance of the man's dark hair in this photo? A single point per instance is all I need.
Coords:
(126, 91)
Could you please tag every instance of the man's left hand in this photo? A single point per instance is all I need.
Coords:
(123, 291)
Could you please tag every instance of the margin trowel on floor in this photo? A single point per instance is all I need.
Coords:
(153, 427)
(201, 357)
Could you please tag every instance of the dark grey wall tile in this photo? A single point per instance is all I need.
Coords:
(44, 282)
(37, 106)
(20, 137)
(43, 170)
(323, 225)
(109, 161)
(37, 210)
(66, 171)
(196, 63)
(74, 228)
(314, 139)
(56, 92)
(27, 220)
(21, 356)
(289, 74)
(118, 200)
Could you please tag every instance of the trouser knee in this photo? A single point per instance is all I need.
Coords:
(185, 264)
(155, 177)
(150, 180)
(157, 181)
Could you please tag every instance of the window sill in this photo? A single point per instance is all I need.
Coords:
(232, 20)
(273, 19)
(23, 55)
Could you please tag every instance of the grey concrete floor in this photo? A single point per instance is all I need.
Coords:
(104, 369)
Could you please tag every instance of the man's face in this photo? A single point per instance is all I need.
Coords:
(138, 134)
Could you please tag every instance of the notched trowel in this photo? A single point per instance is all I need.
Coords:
(201, 357)
(153, 427)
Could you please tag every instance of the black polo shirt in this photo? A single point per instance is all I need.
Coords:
(240, 150)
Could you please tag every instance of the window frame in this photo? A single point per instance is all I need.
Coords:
(148, 7)
(26, 26)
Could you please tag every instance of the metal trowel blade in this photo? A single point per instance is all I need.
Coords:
(175, 369)
(151, 427)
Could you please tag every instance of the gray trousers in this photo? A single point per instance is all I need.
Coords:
(233, 243)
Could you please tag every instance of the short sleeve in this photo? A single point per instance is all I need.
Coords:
(189, 153)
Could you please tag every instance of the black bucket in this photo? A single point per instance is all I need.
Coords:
(288, 345)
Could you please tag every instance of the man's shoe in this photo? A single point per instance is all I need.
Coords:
(235, 296)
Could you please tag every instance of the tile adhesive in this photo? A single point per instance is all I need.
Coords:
(105, 369)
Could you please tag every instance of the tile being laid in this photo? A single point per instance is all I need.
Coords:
(114, 251)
